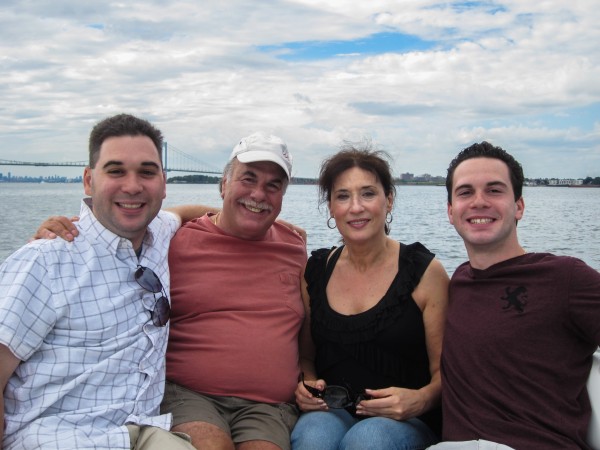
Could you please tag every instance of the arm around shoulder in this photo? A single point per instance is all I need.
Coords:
(191, 212)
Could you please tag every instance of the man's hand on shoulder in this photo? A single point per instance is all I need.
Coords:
(57, 226)
(296, 229)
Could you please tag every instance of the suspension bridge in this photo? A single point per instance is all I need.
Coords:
(174, 160)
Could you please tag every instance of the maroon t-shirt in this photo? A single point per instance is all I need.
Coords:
(518, 350)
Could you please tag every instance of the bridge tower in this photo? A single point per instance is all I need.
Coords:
(165, 156)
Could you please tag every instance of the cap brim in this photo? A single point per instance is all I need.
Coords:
(258, 155)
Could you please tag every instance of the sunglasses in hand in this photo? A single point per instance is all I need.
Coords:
(335, 397)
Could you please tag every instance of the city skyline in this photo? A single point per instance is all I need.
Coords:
(404, 177)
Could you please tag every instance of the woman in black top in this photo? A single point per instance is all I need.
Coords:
(371, 342)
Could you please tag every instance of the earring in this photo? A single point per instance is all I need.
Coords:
(329, 225)
(389, 218)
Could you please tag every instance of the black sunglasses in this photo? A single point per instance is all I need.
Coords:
(335, 397)
(148, 280)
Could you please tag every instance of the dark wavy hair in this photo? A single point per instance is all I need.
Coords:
(362, 156)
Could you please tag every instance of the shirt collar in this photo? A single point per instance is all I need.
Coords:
(94, 230)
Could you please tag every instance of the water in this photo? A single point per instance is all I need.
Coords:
(564, 221)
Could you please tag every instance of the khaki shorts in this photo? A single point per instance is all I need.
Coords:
(243, 420)
(154, 438)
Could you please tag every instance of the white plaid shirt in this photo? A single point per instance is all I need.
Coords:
(92, 361)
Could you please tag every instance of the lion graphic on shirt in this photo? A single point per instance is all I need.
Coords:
(515, 298)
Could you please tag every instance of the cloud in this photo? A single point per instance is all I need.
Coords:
(423, 79)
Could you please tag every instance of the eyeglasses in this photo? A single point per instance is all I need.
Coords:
(335, 397)
(148, 280)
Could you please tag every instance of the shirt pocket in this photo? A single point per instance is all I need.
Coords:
(290, 284)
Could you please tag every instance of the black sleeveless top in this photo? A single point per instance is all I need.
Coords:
(378, 348)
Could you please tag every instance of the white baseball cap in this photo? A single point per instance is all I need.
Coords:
(261, 147)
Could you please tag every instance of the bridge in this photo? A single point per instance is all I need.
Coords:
(174, 160)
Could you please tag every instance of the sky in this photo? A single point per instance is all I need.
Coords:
(419, 79)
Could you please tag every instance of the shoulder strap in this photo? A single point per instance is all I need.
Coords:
(332, 259)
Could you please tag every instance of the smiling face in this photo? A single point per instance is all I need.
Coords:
(252, 196)
(484, 211)
(359, 205)
(127, 186)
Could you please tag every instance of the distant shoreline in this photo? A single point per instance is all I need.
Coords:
(308, 183)
(203, 179)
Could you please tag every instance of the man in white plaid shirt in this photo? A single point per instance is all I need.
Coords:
(84, 324)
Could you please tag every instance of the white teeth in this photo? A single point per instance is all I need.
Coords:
(255, 207)
(480, 221)
(130, 205)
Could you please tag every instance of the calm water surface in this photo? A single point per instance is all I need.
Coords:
(564, 221)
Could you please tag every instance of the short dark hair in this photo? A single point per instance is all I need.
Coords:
(122, 125)
(487, 150)
(362, 156)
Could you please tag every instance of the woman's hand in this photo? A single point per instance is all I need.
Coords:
(394, 403)
(308, 402)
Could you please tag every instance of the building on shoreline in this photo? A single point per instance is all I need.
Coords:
(565, 182)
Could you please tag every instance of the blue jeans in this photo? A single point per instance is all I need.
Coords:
(338, 429)
(471, 445)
